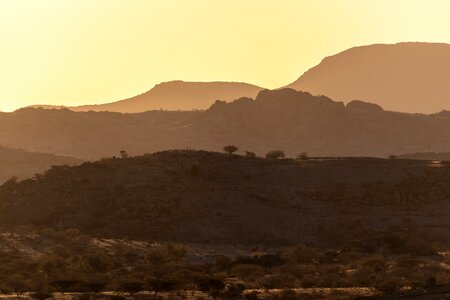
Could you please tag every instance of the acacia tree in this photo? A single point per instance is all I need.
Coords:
(124, 154)
(64, 285)
(230, 149)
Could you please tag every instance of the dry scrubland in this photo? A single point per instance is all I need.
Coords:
(226, 224)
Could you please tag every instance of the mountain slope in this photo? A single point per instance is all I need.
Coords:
(176, 95)
(407, 77)
(22, 164)
(199, 196)
(280, 119)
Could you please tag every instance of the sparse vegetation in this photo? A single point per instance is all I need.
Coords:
(275, 154)
(230, 149)
(88, 236)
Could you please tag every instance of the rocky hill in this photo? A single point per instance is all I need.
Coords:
(197, 196)
(407, 77)
(23, 164)
(280, 119)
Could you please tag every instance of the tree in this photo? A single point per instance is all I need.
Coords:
(124, 154)
(40, 295)
(160, 284)
(210, 285)
(275, 154)
(303, 156)
(64, 285)
(132, 287)
(17, 284)
(95, 286)
(230, 149)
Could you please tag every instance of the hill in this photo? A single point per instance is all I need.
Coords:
(23, 164)
(427, 156)
(197, 196)
(407, 77)
(175, 95)
(280, 119)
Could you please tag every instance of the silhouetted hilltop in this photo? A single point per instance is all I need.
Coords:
(175, 95)
(23, 164)
(277, 119)
(407, 77)
(202, 196)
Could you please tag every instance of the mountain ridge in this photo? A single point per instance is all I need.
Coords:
(282, 119)
(407, 77)
(173, 95)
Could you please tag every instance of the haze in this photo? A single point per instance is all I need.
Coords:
(86, 52)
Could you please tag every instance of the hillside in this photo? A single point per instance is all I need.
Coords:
(175, 95)
(23, 164)
(279, 119)
(406, 77)
(197, 196)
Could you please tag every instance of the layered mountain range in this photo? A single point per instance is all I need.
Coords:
(282, 119)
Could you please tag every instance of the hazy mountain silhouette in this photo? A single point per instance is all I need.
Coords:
(279, 119)
(23, 164)
(175, 95)
(407, 77)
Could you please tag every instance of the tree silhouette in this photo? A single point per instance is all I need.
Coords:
(124, 154)
(303, 156)
(63, 285)
(230, 149)
(212, 286)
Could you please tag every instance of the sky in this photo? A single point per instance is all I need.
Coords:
(71, 52)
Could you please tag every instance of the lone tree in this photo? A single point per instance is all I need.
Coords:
(124, 154)
(303, 156)
(230, 149)
(275, 154)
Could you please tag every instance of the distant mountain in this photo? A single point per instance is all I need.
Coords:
(407, 77)
(199, 196)
(279, 119)
(175, 95)
(22, 164)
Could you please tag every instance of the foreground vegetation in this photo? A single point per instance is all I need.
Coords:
(198, 225)
(44, 261)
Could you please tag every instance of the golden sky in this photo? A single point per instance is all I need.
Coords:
(94, 51)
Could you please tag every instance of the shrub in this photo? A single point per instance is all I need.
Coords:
(250, 154)
(275, 154)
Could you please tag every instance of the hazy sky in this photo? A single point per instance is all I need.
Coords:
(94, 51)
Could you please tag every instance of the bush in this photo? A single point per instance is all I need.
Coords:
(275, 154)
